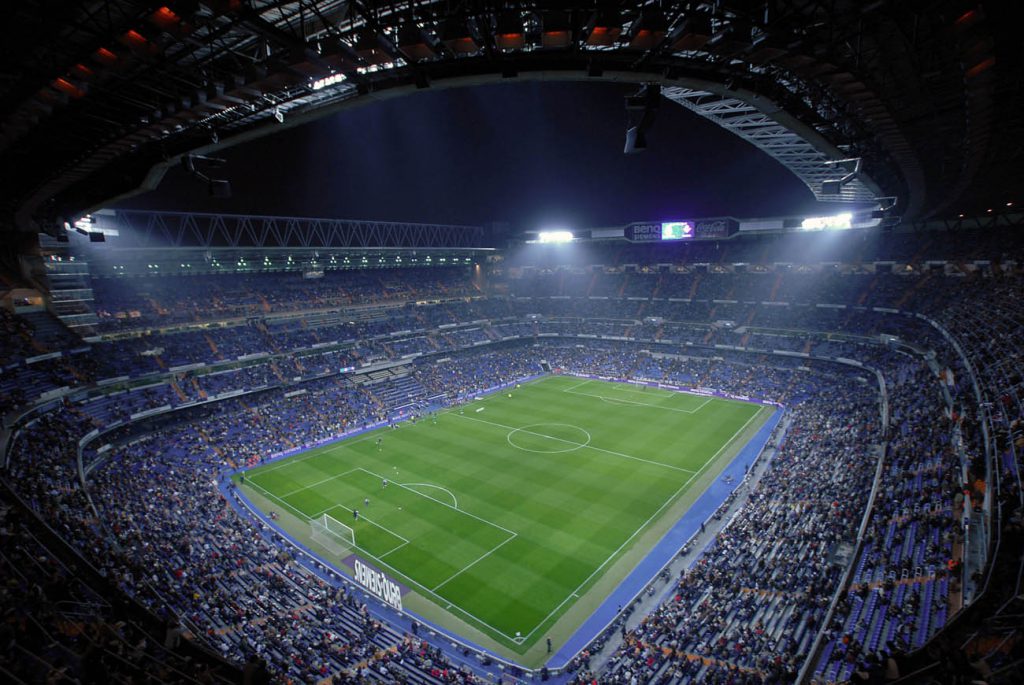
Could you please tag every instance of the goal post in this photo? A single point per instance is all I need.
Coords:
(332, 533)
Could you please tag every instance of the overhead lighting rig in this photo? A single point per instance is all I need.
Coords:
(851, 165)
(640, 110)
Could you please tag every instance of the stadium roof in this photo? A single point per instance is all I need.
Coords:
(99, 97)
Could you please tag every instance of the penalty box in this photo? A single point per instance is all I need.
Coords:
(402, 527)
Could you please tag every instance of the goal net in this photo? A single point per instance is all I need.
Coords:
(332, 534)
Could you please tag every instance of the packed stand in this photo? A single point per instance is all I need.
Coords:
(755, 599)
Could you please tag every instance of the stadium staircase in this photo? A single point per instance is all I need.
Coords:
(922, 250)
(70, 294)
(212, 444)
(867, 291)
(277, 371)
(199, 390)
(773, 296)
(622, 288)
(372, 399)
(178, 391)
(213, 346)
(38, 346)
(49, 333)
(917, 285)
(79, 375)
(400, 392)
(156, 306)
(694, 286)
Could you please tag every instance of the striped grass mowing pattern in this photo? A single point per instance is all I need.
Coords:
(507, 509)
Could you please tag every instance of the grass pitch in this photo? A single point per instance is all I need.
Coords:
(504, 512)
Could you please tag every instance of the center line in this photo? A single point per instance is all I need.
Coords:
(572, 442)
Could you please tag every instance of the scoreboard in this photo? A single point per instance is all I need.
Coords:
(677, 230)
(695, 229)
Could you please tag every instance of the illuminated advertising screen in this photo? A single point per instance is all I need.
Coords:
(677, 230)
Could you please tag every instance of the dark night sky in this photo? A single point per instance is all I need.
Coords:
(528, 153)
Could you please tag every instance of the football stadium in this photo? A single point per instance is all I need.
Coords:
(640, 343)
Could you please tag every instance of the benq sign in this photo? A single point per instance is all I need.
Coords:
(643, 233)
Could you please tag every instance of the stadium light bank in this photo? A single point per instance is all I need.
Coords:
(552, 237)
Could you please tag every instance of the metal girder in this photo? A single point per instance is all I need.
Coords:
(789, 148)
(138, 228)
(906, 88)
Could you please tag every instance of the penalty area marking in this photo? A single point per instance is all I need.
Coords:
(475, 562)
(312, 453)
(380, 558)
(525, 429)
(319, 482)
(443, 504)
(431, 485)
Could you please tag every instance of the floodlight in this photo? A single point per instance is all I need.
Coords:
(554, 237)
(837, 222)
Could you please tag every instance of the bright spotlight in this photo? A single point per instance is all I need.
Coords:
(839, 222)
(554, 237)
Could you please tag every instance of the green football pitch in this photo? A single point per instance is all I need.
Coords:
(505, 511)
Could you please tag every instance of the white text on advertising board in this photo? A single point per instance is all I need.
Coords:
(378, 584)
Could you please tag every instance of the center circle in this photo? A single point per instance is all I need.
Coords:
(548, 438)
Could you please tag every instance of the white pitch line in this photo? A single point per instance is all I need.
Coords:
(631, 389)
(613, 398)
(319, 482)
(399, 572)
(390, 551)
(460, 610)
(431, 485)
(361, 518)
(587, 446)
(410, 581)
(444, 504)
(474, 562)
(645, 523)
(311, 452)
(578, 385)
(273, 496)
(441, 600)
